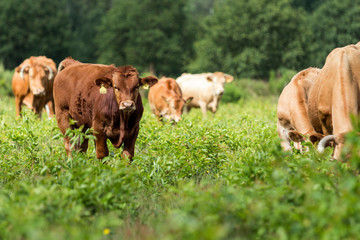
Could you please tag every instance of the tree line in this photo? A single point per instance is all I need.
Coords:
(245, 38)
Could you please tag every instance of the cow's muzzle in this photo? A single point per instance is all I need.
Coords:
(39, 92)
(127, 106)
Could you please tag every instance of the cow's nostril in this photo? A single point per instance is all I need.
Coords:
(127, 105)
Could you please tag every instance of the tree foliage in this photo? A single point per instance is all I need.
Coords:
(244, 38)
(333, 24)
(149, 35)
(32, 28)
(85, 17)
(248, 38)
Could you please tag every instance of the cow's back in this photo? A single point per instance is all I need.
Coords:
(337, 81)
(75, 90)
(196, 86)
(292, 110)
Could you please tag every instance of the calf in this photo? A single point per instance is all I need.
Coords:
(166, 100)
(103, 97)
(205, 88)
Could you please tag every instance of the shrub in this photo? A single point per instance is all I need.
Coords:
(5, 81)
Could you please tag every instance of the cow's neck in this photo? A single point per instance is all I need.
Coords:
(124, 120)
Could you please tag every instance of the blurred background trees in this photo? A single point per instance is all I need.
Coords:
(249, 38)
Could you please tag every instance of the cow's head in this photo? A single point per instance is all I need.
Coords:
(175, 107)
(218, 80)
(125, 82)
(38, 76)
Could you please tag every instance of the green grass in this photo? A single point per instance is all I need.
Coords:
(223, 177)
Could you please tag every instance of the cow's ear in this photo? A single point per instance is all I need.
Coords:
(315, 137)
(104, 81)
(17, 69)
(228, 78)
(209, 78)
(148, 80)
(188, 100)
(295, 136)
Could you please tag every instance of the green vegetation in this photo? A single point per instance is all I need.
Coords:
(5, 81)
(220, 177)
(223, 177)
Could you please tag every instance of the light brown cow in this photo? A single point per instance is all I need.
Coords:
(103, 97)
(32, 84)
(166, 100)
(335, 96)
(293, 122)
(205, 88)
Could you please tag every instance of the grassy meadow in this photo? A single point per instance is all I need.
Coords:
(223, 177)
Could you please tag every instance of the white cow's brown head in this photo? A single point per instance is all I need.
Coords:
(218, 80)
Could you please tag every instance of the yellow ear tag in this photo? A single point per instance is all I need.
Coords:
(102, 89)
(145, 86)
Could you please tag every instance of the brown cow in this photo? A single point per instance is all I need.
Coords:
(32, 84)
(166, 100)
(102, 97)
(67, 62)
(292, 111)
(335, 96)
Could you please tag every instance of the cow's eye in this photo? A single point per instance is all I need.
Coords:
(116, 88)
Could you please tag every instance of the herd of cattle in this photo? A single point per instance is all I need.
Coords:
(315, 106)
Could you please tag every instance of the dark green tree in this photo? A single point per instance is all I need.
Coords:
(333, 24)
(148, 34)
(84, 17)
(33, 28)
(308, 5)
(250, 38)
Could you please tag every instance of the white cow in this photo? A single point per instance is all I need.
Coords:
(205, 88)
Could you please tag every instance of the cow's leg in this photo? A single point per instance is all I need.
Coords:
(84, 145)
(49, 107)
(214, 106)
(38, 111)
(63, 122)
(67, 146)
(129, 144)
(345, 104)
(101, 147)
(203, 108)
(18, 103)
(283, 134)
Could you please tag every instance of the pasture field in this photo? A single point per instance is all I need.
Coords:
(223, 177)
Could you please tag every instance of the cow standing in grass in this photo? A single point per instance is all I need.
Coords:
(32, 85)
(103, 97)
(205, 88)
(293, 122)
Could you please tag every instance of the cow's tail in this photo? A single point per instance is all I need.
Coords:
(326, 141)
